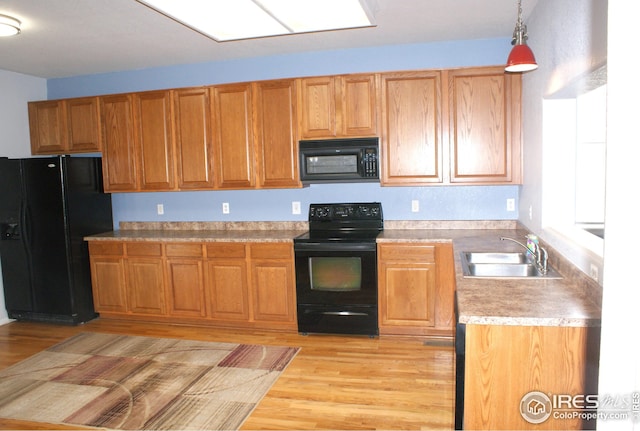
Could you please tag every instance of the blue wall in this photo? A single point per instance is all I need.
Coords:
(436, 203)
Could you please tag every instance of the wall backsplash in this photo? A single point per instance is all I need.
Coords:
(436, 203)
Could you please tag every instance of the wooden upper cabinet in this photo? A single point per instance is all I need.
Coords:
(356, 115)
(194, 146)
(275, 132)
(485, 125)
(119, 151)
(411, 141)
(152, 118)
(47, 127)
(65, 126)
(83, 125)
(233, 136)
(335, 106)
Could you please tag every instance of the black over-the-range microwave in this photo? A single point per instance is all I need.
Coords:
(339, 160)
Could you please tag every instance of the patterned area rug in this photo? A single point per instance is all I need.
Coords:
(133, 383)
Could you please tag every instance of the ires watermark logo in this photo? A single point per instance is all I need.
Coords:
(537, 407)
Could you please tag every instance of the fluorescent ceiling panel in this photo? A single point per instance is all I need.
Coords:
(225, 20)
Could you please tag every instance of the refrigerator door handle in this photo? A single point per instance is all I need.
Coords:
(25, 218)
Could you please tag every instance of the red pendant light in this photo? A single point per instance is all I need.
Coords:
(521, 58)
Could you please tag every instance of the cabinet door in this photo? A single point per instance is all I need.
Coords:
(357, 111)
(273, 283)
(47, 127)
(411, 149)
(484, 125)
(408, 295)
(194, 147)
(119, 151)
(415, 286)
(332, 106)
(277, 145)
(154, 140)
(227, 287)
(83, 122)
(108, 283)
(185, 287)
(233, 139)
(317, 107)
(145, 285)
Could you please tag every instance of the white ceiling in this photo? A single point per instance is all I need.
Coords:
(63, 38)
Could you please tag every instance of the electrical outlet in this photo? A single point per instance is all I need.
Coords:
(415, 206)
(511, 204)
(225, 207)
(160, 209)
(530, 212)
(295, 207)
(593, 271)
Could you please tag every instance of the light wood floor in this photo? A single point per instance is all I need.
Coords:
(335, 382)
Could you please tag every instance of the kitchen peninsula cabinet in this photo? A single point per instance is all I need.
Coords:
(415, 288)
(504, 363)
(232, 284)
(485, 125)
(233, 136)
(411, 141)
(337, 106)
(65, 126)
(193, 140)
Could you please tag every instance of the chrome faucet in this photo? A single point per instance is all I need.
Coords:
(539, 254)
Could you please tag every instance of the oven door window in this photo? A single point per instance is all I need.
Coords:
(335, 274)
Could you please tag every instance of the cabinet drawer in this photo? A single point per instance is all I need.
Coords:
(423, 253)
(226, 250)
(271, 251)
(183, 250)
(144, 249)
(106, 248)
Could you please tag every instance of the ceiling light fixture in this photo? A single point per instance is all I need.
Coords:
(225, 20)
(9, 26)
(521, 58)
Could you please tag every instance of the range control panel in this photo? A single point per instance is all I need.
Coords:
(345, 212)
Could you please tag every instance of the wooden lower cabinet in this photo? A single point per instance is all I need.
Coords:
(145, 285)
(184, 272)
(272, 278)
(415, 289)
(225, 284)
(503, 364)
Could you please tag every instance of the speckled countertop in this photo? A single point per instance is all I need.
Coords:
(204, 232)
(574, 300)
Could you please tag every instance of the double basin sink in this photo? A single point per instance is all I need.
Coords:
(503, 265)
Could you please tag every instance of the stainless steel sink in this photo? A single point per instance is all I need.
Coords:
(502, 265)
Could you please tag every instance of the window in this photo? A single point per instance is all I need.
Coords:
(575, 152)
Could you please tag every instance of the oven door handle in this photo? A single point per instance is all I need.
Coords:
(344, 313)
(334, 246)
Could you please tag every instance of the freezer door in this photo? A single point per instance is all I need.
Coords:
(14, 255)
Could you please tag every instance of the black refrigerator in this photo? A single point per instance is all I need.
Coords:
(47, 206)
